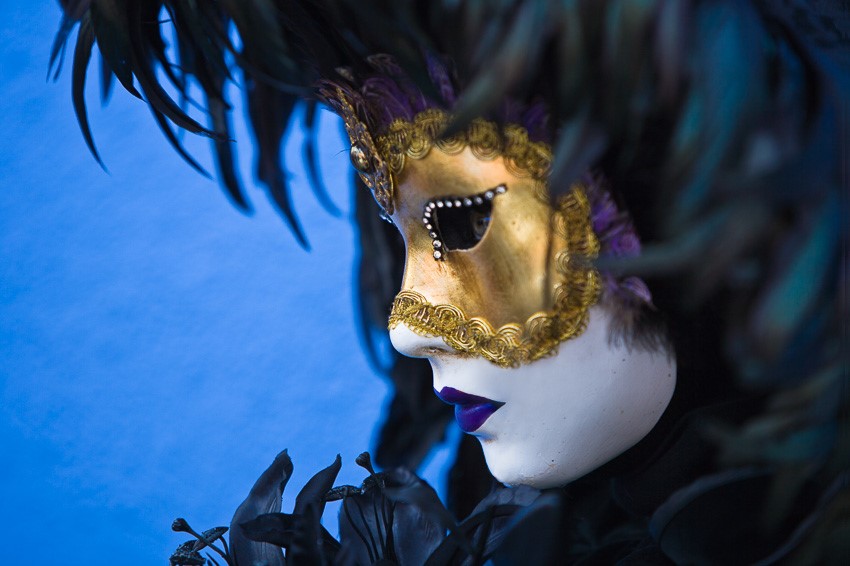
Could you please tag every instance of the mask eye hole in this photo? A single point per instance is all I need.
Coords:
(459, 223)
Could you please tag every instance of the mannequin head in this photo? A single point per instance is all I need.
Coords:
(531, 343)
(545, 411)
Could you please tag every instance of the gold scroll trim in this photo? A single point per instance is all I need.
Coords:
(487, 140)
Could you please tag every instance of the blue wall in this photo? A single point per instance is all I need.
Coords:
(157, 348)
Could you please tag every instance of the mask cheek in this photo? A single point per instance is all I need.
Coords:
(570, 413)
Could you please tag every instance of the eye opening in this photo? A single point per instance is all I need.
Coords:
(459, 223)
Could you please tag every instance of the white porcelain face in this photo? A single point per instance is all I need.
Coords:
(562, 416)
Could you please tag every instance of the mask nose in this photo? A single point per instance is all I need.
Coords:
(412, 345)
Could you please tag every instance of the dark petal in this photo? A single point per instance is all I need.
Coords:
(405, 487)
(522, 496)
(486, 525)
(273, 528)
(538, 523)
(301, 533)
(418, 509)
(447, 552)
(330, 546)
(314, 490)
(306, 545)
(357, 528)
(415, 534)
(290, 532)
(346, 556)
(264, 497)
(374, 528)
(187, 546)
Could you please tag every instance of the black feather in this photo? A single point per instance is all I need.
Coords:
(309, 150)
(82, 56)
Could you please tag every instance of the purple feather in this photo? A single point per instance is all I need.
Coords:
(617, 238)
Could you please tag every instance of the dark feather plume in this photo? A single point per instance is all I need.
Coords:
(82, 55)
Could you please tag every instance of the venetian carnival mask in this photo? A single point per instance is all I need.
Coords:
(501, 296)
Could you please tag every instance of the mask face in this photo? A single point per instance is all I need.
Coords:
(499, 296)
(491, 267)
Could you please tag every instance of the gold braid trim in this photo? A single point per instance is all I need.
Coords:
(365, 157)
(514, 344)
(487, 140)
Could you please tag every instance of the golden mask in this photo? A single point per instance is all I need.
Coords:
(492, 267)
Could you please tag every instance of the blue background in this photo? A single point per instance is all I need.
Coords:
(157, 348)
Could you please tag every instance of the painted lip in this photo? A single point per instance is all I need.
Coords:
(471, 411)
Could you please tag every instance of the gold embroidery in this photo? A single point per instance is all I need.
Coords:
(365, 158)
(487, 140)
(514, 344)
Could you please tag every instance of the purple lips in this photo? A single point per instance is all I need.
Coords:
(470, 410)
